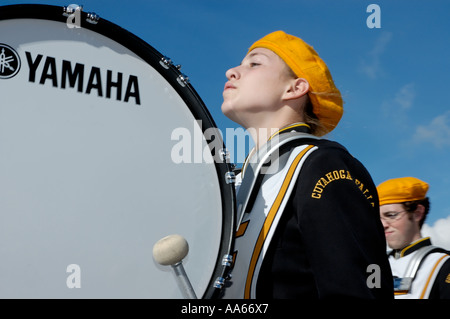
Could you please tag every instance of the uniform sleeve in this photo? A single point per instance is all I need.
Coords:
(338, 217)
(441, 286)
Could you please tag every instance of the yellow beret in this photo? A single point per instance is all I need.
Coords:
(306, 63)
(400, 190)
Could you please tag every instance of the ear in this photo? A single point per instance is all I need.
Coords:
(296, 89)
(419, 213)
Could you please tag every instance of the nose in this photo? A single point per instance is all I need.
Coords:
(385, 225)
(232, 73)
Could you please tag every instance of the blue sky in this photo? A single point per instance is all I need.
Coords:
(393, 79)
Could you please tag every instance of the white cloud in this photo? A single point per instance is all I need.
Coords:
(405, 96)
(437, 132)
(397, 107)
(439, 232)
(371, 65)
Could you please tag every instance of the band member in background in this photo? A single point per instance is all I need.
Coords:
(308, 210)
(403, 209)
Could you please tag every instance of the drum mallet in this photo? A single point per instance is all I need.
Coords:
(171, 250)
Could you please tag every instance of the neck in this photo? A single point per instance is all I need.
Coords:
(298, 127)
(262, 135)
(412, 247)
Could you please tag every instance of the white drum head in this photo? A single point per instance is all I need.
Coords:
(87, 178)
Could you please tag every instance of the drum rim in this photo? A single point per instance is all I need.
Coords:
(188, 94)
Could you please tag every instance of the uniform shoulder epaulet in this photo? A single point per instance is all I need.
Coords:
(405, 283)
(419, 257)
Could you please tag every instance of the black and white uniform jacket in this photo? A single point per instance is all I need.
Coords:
(421, 271)
(308, 224)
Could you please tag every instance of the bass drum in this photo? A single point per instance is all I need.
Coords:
(103, 151)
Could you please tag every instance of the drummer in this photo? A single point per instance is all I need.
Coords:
(311, 227)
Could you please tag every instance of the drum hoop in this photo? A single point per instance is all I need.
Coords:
(188, 94)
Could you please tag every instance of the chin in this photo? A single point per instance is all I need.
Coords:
(396, 245)
(226, 109)
(228, 112)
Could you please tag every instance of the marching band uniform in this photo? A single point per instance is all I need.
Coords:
(432, 279)
(313, 227)
(420, 270)
(307, 211)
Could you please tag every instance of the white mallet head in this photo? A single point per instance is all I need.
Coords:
(170, 250)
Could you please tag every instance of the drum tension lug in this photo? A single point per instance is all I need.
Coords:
(220, 281)
(92, 17)
(230, 177)
(183, 80)
(225, 155)
(165, 62)
(227, 260)
(70, 9)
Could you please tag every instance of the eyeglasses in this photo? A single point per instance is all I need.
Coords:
(390, 217)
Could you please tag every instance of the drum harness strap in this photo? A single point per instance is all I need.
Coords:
(264, 163)
(404, 284)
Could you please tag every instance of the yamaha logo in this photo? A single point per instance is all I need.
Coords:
(9, 62)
